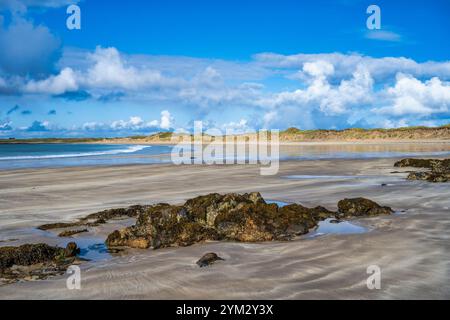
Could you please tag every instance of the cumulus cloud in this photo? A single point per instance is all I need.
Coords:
(35, 56)
(133, 124)
(318, 69)
(166, 120)
(109, 70)
(39, 126)
(412, 96)
(344, 64)
(65, 81)
(329, 98)
(239, 127)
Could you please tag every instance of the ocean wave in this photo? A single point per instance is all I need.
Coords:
(129, 149)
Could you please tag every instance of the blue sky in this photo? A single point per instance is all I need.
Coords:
(138, 67)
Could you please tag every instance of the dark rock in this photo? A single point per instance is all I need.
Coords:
(208, 259)
(361, 207)
(58, 225)
(98, 218)
(105, 215)
(439, 169)
(69, 233)
(35, 261)
(71, 250)
(28, 254)
(336, 221)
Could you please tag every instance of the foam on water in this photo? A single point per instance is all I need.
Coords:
(129, 149)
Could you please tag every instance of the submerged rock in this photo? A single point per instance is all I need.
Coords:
(236, 217)
(208, 259)
(97, 218)
(69, 233)
(357, 207)
(439, 169)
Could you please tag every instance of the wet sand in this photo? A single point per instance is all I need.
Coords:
(412, 247)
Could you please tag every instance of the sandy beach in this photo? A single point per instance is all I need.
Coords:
(411, 246)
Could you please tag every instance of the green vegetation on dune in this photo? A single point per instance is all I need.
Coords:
(417, 132)
(291, 134)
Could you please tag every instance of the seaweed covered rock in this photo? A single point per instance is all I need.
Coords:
(35, 261)
(439, 169)
(28, 254)
(208, 259)
(96, 219)
(357, 207)
(69, 233)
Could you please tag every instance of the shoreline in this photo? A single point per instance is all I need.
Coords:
(281, 143)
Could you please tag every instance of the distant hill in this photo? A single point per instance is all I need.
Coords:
(289, 135)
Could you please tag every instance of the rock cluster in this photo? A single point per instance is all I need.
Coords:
(439, 169)
(235, 217)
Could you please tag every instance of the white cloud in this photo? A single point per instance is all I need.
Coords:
(239, 127)
(134, 123)
(318, 69)
(63, 82)
(330, 99)
(344, 64)
(383, 35)
(110, 71)
(412, 96)
(166, 120)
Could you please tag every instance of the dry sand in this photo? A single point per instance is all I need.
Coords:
(412, 248)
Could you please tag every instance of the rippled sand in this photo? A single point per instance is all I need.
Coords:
(412, 247)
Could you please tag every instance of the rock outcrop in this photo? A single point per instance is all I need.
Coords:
(233, 217)
(35, 261)
(439, 169)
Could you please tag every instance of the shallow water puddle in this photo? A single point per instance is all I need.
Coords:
(277, 202)
(343, 227)
(92, 246)
(328, 227)
(307, 176)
